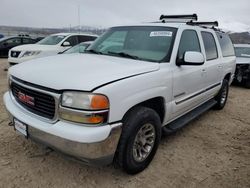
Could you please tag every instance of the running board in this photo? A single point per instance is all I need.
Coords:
(182, 121)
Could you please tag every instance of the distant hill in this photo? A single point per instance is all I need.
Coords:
(240, 38)
(35, 32)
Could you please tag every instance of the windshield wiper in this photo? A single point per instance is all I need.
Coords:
(123, 54)
(93, 51)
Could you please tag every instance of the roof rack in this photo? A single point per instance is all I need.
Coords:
(213, 24)
(185, 16)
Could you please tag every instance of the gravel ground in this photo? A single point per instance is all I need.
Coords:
(212, 151)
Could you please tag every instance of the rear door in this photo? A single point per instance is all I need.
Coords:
(213, 66)
(188, 81)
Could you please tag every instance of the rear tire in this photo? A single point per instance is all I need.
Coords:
(221, 97)
(139, 140)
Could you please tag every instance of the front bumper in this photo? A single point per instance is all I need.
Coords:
(17, 60)
(94, 145)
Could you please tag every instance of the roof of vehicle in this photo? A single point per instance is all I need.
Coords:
(68, 34)
(10, 37)
(242, 45)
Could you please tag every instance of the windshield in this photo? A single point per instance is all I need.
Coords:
(147, 43)
(242, 51)
(80, 48)
(52, 40)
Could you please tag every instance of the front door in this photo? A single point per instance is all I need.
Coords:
(188, 81)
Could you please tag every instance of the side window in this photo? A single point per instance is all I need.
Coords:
(210, 45)
(73, 40)
(189, 42)
(13, 41)
(86, 38)
(225, 44)
(28, 41)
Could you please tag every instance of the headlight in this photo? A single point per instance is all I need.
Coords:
(83, 107)
(84, 101)
(31, 53)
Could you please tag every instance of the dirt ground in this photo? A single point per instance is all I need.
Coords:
(212, 151)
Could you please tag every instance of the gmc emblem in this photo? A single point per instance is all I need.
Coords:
(26, 98)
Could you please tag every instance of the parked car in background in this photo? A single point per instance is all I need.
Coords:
(242, 73)
(79, 48)
(48, 46)
(7, 43)
(1, 36)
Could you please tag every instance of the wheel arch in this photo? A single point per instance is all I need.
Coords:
(156, 103)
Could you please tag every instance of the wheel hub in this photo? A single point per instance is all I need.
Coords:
(144, 142)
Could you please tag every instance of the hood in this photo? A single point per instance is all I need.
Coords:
(35, 47)
(242, 60)
(79, 71)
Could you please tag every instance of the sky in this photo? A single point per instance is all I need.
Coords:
(232, 15)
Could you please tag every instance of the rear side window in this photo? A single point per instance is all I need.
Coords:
(226, 44)
(73, 40)
(86, 38)
(189, 42)
(210, 45)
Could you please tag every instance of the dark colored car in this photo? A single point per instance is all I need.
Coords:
(1, 36)
(7, 43)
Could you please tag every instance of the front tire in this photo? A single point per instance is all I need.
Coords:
(221, 97)
(139, 140)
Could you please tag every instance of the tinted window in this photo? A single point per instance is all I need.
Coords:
(73, 40)
(210, 45)
(13, 41)
(189, 42)
(86, 38)
(28, 41)
(226, 44)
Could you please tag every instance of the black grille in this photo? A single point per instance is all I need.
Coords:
(14, 53)
(43, 104)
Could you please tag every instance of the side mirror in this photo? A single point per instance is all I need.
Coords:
(66, 43)
(192, 58)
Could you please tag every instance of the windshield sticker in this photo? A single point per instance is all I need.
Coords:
(161, 34)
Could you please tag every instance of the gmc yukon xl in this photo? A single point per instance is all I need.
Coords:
(133, 84)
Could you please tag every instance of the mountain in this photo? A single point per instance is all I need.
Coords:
(35, 32)
(240, 38)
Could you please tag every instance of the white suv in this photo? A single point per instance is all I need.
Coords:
(48, 46)
(114, 102)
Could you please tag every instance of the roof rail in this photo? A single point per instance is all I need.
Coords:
(213, 24)
(185, 16)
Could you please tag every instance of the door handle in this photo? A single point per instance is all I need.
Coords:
(220, 66)
(203, 70)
